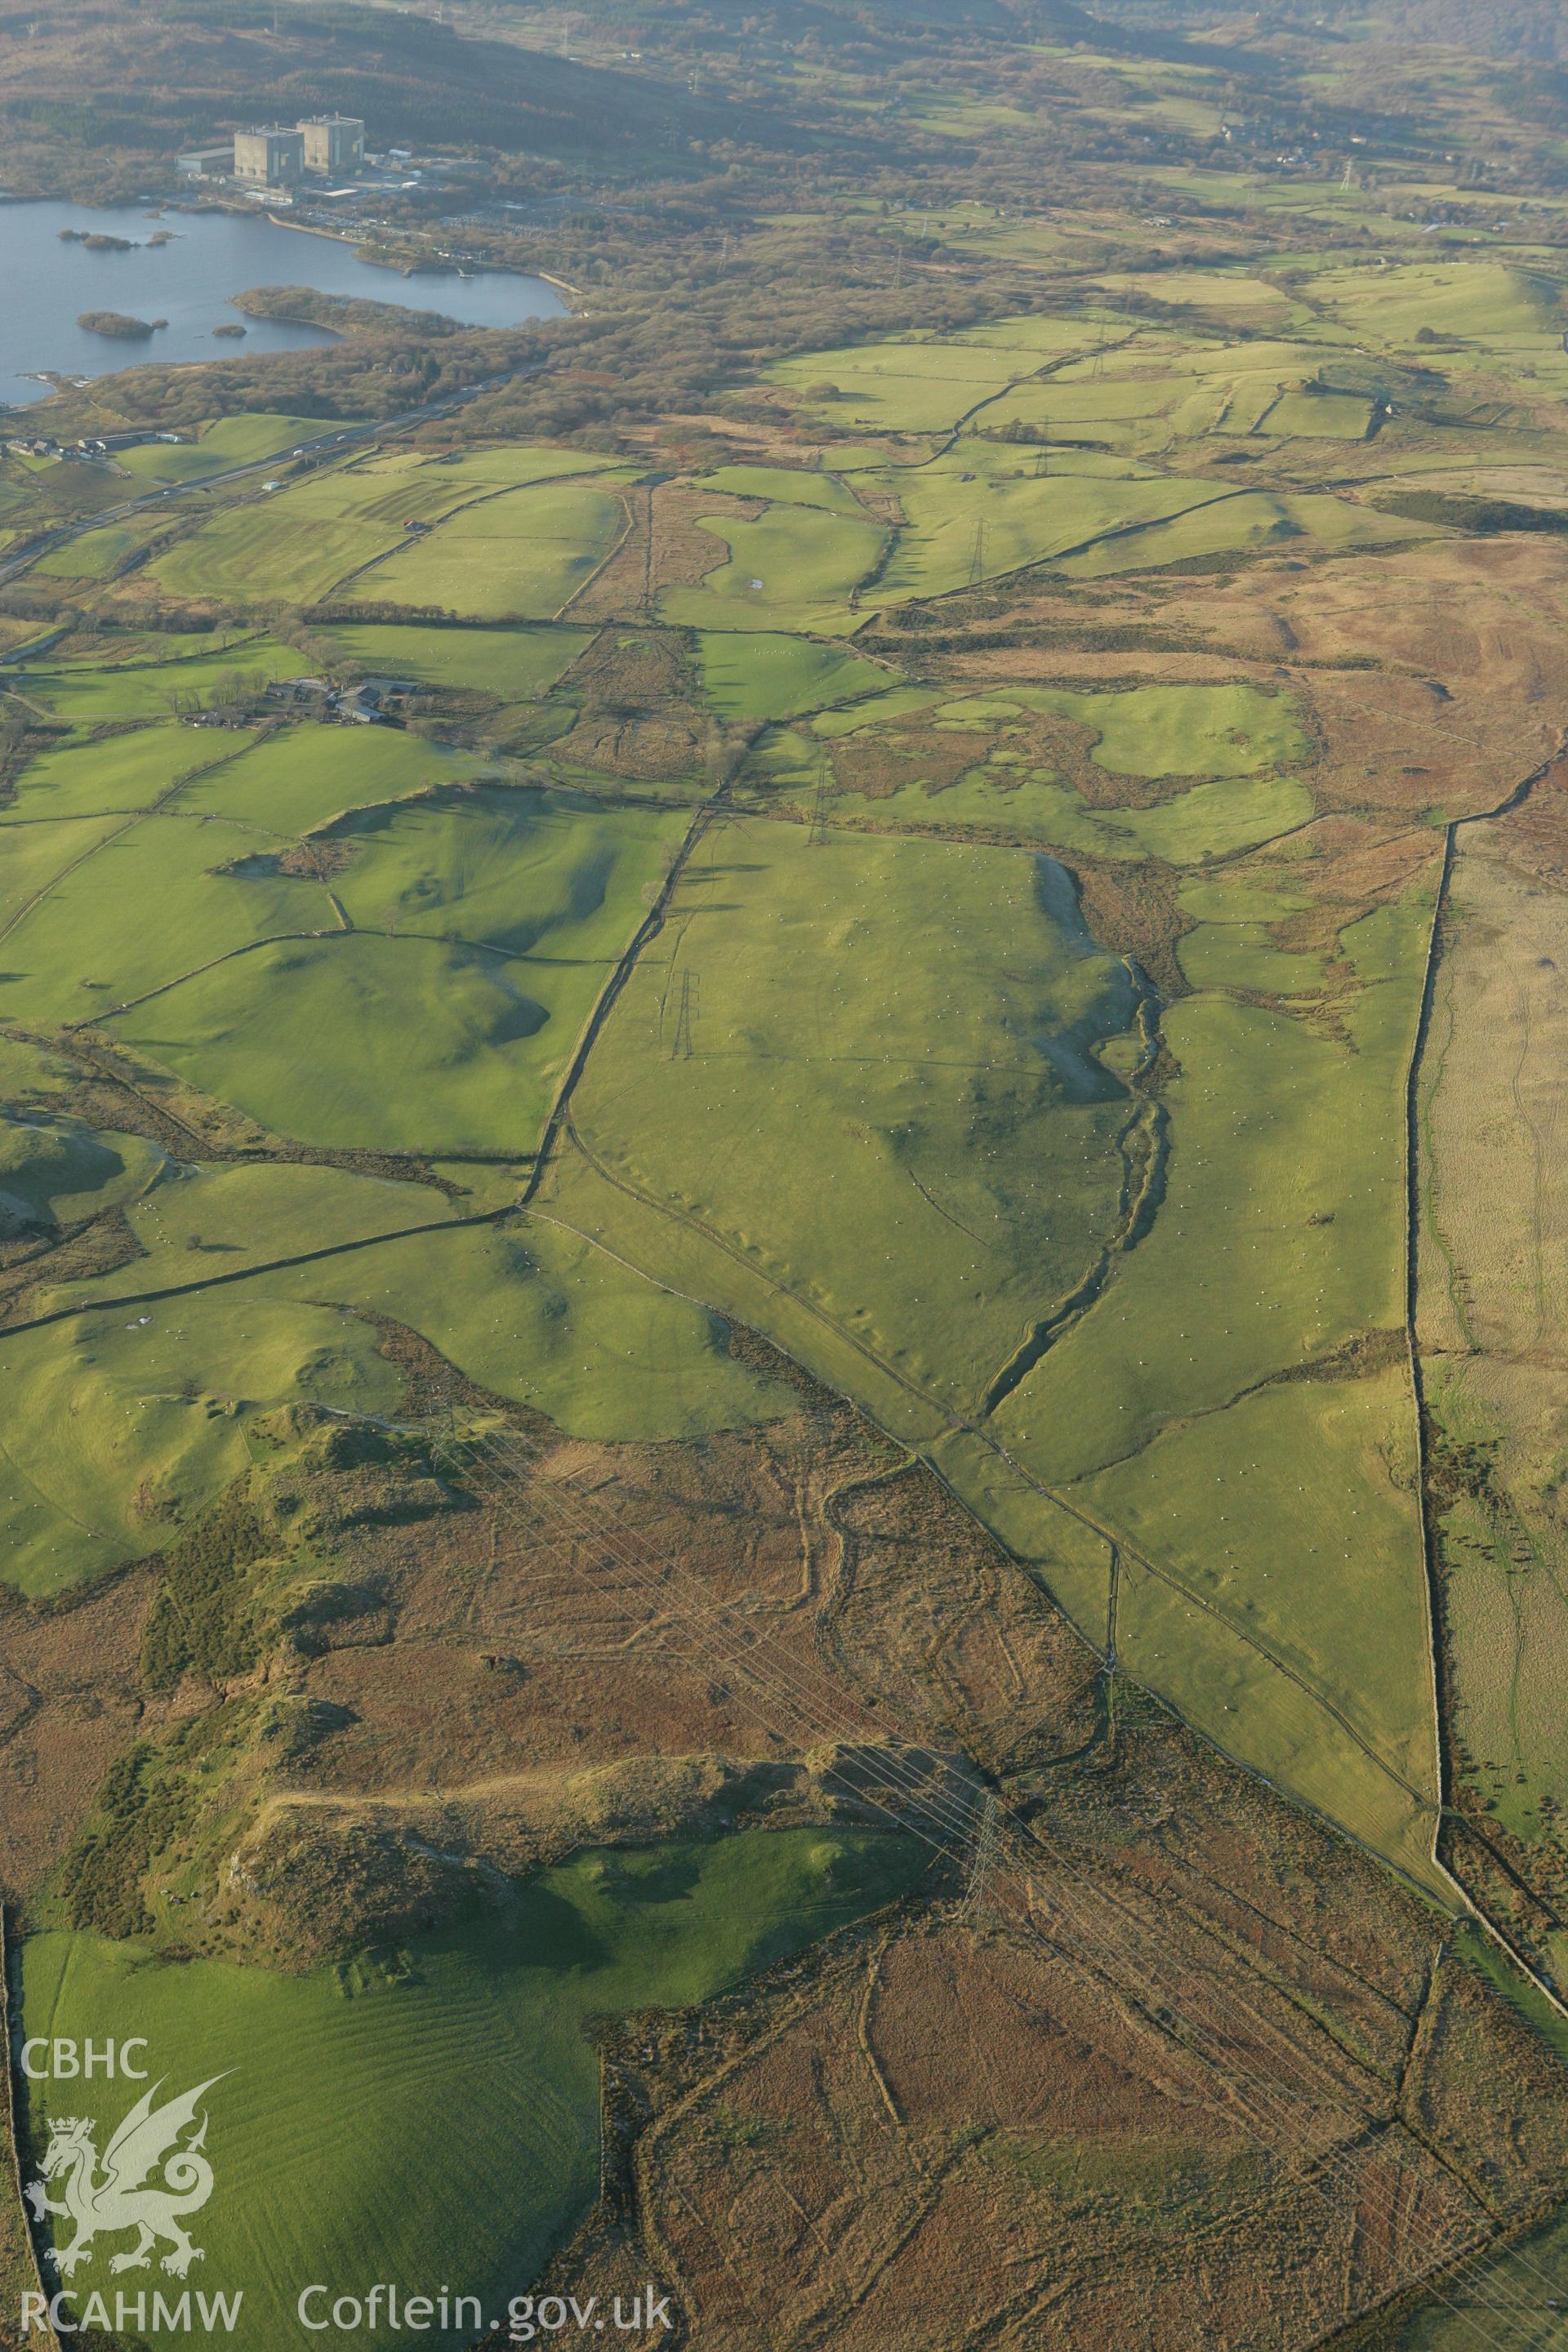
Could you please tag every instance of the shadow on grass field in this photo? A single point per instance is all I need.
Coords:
(431, 2113)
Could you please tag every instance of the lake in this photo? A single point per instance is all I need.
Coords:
(45, 283)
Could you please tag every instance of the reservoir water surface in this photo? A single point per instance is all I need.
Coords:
(46, 282)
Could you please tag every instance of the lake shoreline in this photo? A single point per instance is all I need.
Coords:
(219, 252)
(563, 286)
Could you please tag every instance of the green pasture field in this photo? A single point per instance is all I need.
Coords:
(785, 771)
(522, 554)
(1241, 523)
(541, 1317)
(313, 534)
(1293, 1512)
(1212, 820)
(15, 631)
(511, 466)
(904, 387)
(98, 554)
(950, 358)
(120, 1426)
(982, 457)
(153, 689)
(920, 1017)
(1249, 400)
(785, 486)
(428, 490)
(1151, 359)
(517, 664)
(32, 1078)
(1176, 730)
(1026, 520)
(1085, 403)
(1224, 733)
(400, 1036)
(1492, 302)
(1207, 820)
(196, 1221)
(60, 1169)
(121, 1423)
(1280, 1240)
(804, 562)
(36, 855)
(87, 947)
(534, 872)
(1240, 895)
(750, 675)
(1141, 396)
(371, 1043)
(876, 710)
(1223, 293)
(1201, 1647)
(1331, 1702)
(294, 544)
(1044, 334)
(120, 646)
(112, 777)
(1321, 417)
(948, 114)
(378, 1037)
(228, 441)
(433, 2115)
(1116, 411)
(1337, 523)
(1294, 1631)
(1245, 955)
(303, 776)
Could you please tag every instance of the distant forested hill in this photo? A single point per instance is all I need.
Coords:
(846, 27)
(108, 79)
(1522, 28)
(1512, 29)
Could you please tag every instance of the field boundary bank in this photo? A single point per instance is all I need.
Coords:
(133, 818)
(251, 1273)
(427, 530)
(1142, 1195)
(1041, 374)
(1046, 1930)
(1421, 1799)
(15, 2109)
(1043, 564)
(1450, 1815)
(250, 636)
(13, 566)
(715, 806)
(623, 539)
(344, 929)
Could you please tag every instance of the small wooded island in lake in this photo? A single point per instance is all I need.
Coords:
(119, 323)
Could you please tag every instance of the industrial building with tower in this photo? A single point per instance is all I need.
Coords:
(273, 155)
(270, 158)
(334, 143)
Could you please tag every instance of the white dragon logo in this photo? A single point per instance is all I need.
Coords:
(146, 2139)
